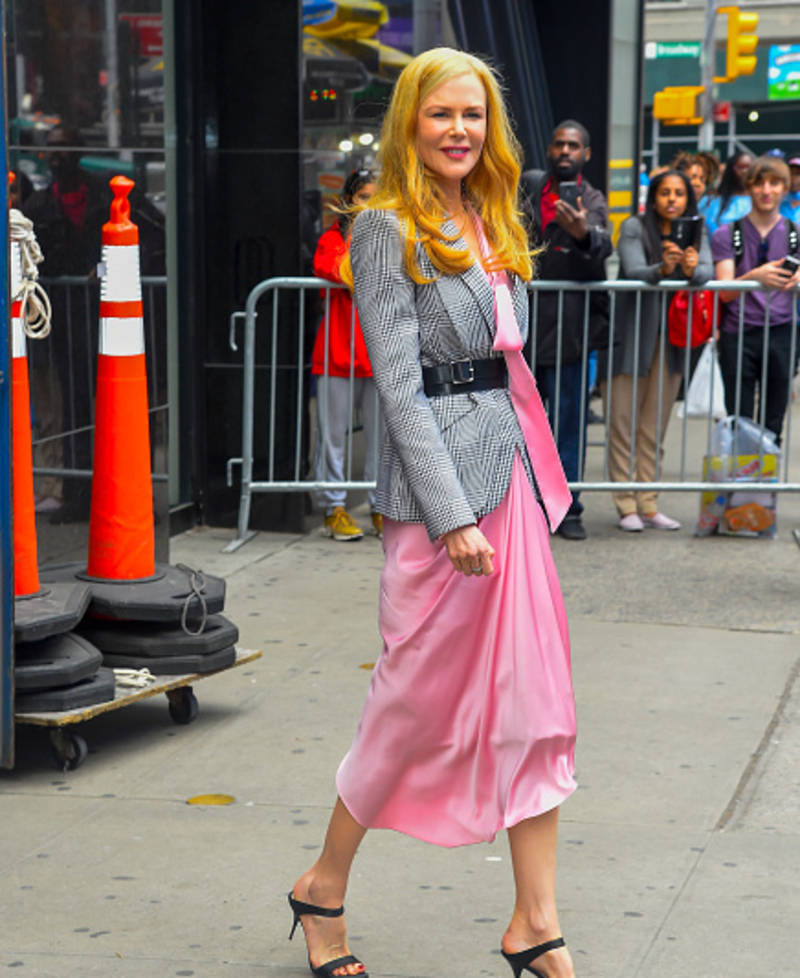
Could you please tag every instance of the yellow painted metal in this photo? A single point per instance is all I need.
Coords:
(741, 43)
(620, 198)
(676, 105)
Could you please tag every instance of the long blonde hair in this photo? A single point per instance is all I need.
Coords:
(407, 188)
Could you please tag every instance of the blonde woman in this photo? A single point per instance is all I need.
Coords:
(469, 724)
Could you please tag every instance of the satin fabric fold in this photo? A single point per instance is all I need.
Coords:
(469, 723)
(547, 468)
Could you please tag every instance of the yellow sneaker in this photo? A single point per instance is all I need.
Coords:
(377, 524)
(341, 526)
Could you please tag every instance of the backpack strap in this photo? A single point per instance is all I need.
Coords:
(791, 237)
(737, 240)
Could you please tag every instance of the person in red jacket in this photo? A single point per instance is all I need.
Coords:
(340, 342)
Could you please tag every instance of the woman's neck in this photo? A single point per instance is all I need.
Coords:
(453, 200)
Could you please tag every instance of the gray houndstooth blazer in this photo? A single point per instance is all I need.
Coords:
(447, 460)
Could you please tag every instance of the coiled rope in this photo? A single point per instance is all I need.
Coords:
(36, 311)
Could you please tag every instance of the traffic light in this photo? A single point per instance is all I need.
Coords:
(742, 42)
(676, 106)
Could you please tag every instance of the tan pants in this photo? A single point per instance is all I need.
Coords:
(649, 442)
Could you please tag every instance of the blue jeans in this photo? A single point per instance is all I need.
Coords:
(571, 426)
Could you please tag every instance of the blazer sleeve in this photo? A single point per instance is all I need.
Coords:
(704, 270)
(385, 298)
(633, 263)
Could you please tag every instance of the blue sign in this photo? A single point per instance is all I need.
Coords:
(784, 71)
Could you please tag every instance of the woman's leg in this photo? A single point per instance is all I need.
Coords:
(619, 413)
(650, 433)
(333, 417)
(325, 885)
(535, 920)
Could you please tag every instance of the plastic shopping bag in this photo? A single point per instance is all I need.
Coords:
(706, 389)
(741, 451)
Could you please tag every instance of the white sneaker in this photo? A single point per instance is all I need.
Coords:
(658, 521)
(631, 523)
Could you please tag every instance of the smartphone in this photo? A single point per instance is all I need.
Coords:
(790, 264)
(686, 232)
(569, 192)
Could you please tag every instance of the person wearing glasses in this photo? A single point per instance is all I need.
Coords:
(760, 247)
(342, 368)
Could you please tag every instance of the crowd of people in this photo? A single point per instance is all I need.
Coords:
(742, 223)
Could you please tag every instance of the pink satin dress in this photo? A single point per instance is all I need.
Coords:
(469, 723)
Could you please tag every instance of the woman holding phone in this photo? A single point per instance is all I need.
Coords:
(645, 368)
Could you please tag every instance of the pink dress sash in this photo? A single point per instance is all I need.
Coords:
(542, 450)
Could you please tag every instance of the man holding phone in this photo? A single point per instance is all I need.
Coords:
(569, 218)
(761, 247)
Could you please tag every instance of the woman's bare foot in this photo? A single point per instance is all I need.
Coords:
(325, 936)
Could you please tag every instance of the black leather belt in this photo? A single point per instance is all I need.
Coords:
(463, 376)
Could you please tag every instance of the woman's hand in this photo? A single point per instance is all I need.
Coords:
(671, 257)
(689, 261)
(469, 550)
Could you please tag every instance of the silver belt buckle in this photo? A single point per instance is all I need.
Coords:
(462, 372)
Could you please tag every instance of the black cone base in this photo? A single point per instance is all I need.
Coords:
(88, 692)
(161, 598)
(60, 660)
(155, 639)
(56, 609)
(172, 665)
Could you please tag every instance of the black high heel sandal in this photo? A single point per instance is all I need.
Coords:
(300, 909)
(523, 960)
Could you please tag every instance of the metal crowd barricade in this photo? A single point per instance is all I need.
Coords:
(63, 370)
(273, 289)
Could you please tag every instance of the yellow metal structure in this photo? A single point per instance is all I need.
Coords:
(676, 106)
(741, 43)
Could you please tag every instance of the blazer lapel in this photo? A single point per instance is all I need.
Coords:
(475, 279)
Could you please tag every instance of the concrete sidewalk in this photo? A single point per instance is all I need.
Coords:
(679, 852)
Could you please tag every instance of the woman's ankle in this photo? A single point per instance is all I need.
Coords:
(316, 887)
(529, 930)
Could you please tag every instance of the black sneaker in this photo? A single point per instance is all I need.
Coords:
(572, 528)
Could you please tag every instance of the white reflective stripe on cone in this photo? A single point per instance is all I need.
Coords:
(121, 282)
(121, 337)
(15, 270)
(18, 348)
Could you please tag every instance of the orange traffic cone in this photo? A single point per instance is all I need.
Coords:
(121, 535)
(26, 571)
(126, 583)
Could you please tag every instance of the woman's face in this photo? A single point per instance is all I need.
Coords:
(741, 167)
(363, 194)
(671, 199)
(697, 178)
(451, 130)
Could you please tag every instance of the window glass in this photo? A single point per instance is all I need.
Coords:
(85, 103)
(351, 58)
